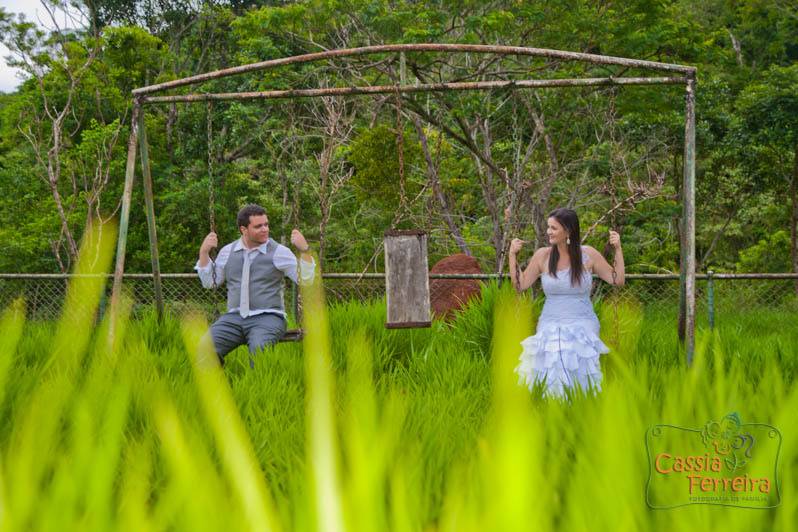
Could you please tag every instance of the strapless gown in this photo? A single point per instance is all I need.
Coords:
(565, 350)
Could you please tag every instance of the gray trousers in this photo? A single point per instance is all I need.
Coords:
(256, 332)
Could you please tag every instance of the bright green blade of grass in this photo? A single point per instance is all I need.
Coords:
(11, 325)
(238, 457)
(320, 418)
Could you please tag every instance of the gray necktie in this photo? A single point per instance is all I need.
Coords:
(243, 308)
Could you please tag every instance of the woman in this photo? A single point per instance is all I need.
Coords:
(564, 352)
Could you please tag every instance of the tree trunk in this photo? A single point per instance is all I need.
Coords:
(489, 194)
(701, 264)
(171, 120)
(541, 209)
(72, 247)
(432, 176)
(286, 214)
(325, 195)
(325, 215)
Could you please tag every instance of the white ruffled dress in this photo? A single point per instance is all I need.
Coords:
(565, 350)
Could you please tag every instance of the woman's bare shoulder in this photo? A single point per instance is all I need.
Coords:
(589, 257)
(540, 256)
(590, 251)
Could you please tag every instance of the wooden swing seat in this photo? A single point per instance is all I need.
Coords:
(293, 335)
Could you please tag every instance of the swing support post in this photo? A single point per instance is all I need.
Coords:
(150, 208)
(124, 217)
(687, 270)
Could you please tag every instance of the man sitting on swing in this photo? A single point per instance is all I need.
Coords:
(254, 267)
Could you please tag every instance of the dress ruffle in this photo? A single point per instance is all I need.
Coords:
(563, 356)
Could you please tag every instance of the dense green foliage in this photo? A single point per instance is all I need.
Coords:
(332, 167)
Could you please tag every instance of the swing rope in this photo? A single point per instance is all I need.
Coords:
(211, 188)
(613, 224)
(615, 296)
(403, 209)
(400, 150)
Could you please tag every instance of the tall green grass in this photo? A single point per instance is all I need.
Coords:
(363, 428)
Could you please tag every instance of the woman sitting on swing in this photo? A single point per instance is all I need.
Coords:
(564, 352)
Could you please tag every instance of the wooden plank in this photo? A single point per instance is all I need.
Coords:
(293, 335)
(407, 279)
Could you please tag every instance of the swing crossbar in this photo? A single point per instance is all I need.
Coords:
(421, 47)
(422, 87)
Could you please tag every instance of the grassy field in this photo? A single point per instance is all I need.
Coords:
(361, 428)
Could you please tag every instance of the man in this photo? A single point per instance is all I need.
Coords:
(254, 268)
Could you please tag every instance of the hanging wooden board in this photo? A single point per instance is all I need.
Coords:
(406, 279)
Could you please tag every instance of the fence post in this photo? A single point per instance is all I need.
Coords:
(711, 298)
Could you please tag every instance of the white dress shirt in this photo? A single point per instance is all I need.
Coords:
(300, 271)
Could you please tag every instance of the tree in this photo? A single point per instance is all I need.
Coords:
(769, 108)
(71, 113)
(58, 62)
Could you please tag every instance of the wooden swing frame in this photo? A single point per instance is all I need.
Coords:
(678, 75)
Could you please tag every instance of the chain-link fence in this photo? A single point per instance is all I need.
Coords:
(716, 294)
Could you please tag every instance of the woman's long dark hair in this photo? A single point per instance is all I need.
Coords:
(570, 222)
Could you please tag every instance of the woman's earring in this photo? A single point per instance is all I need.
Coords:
(568, 241)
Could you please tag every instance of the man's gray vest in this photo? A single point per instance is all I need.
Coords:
(266, 282)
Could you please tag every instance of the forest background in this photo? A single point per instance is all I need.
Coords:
(346, 169)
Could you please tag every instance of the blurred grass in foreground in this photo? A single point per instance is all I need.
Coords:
(362, 428)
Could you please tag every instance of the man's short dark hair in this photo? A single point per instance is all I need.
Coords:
(249, 210)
